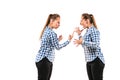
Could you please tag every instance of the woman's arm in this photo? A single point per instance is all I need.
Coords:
(95, 39)
(55, 42)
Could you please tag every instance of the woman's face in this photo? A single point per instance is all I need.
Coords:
(56, 23)
(83, 22)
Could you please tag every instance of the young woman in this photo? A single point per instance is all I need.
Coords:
(90, 42)
(49, 42)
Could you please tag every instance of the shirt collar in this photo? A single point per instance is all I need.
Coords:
(49, 28)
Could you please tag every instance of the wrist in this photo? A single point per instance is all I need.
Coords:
(82, 41)
(80, 36)
(69, 40)
(79, 32)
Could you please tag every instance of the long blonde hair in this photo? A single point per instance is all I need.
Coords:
(51, 16)
(91, 19)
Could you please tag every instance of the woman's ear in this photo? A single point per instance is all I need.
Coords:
(51, 20)
(87, 21)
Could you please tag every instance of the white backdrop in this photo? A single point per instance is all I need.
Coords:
(22, 20)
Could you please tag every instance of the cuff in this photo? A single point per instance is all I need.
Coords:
(79, 36)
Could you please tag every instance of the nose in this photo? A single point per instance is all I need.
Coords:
(80, 23)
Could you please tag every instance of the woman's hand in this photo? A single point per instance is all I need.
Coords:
(77, 30)
(78, 42)
(60, 38)
(71, 36)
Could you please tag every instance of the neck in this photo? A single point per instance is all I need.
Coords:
(89, 25)
(50, 26)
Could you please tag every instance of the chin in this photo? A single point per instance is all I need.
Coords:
(55, 27)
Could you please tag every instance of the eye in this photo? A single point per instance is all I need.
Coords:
(58, 22)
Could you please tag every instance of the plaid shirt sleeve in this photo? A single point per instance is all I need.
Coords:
(55, 42)
(93, 40)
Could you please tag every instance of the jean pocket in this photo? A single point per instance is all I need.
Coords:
(100, 62)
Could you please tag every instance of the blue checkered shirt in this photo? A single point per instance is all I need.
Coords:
(91, 42)
(49, 42)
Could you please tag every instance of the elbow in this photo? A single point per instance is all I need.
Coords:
(57, 48)
(96, 45)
